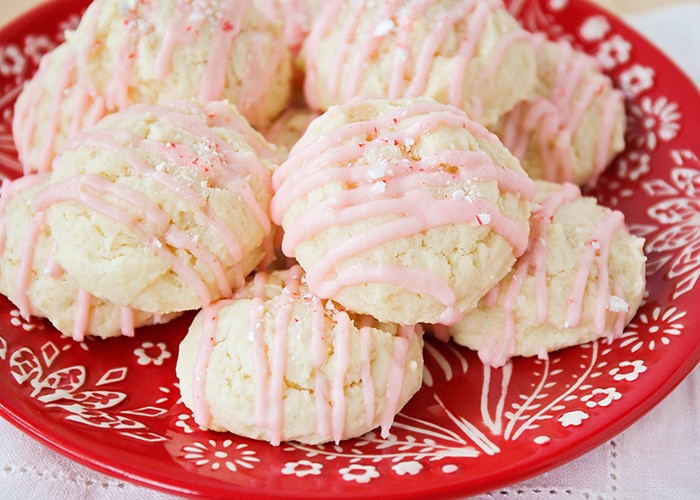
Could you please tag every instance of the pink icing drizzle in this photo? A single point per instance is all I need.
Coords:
(201, 410)
(409, 73)
(82, 315)
(396, 373)
(270, 366)
(405, 197)
(218, 161)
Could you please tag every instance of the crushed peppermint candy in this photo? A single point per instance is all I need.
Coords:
(402, 54)
(126, 6)
(378, 187)
(482, 219)
(459, 195)
(378, 171)
(618, 305)
(384, 27)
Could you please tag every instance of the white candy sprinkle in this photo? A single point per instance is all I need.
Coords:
(459, 195)
(384, 27)
(377, 171)
(616, 304)
(197, 15)
(482, 219)
(595, 244)
(126, 6)
(379, 187)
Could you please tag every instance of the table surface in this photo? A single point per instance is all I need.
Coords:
(9, 9)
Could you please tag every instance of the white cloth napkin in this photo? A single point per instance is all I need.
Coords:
(658, 457)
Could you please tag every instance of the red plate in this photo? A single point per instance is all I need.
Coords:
(114, 405)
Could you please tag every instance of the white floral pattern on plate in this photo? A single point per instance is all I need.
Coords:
(469, 420)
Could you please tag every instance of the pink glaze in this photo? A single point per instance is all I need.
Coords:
(201, 409)
(261, 366)
(596, 254)
(496, 350)
(127, 321)
(319, 355)
(341, 349)
(390, 26)
(553, 120)
(82, 315)
(298, 18)
(369, 392)
(213, 158)
(396, 373)
(24, 273)
(270, 361)
(404, 198)
(52, 269)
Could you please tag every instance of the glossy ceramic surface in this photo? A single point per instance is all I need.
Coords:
(114, 405)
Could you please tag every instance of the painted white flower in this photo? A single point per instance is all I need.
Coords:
(653, 330)
(595, 28)
(302, 468)
(654, 120)
(216, 455)
(636, 80)
(411, 468)
(557, 5)
(614, 52)
(152, 353)
(36, 46)
(359, 473)
(26, 325)
(633, 165)
(574, 418)
(628, 370)
(12, 62)
(601, 397)
(186, 423)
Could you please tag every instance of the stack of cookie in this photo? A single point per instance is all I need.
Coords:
(420, 173)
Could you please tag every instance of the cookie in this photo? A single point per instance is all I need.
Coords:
(277, 363)
(38, 286)
(406, 210)
(581, 279)
(51, 108)
(469, 53)
(157, 52)
(125, 53)
(286, 130)
(574, 125)
(162, 208)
